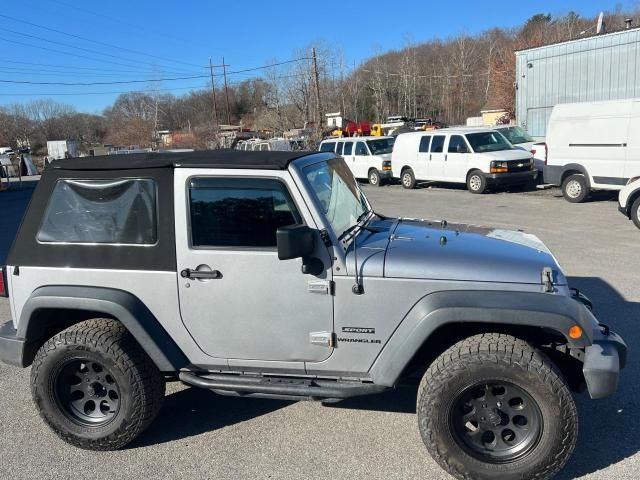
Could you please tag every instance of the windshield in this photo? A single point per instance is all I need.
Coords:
(516, 135)
(338, 192)
(383, 145)
(488, 142)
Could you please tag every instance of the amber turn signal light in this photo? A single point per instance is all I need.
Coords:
(575, 332)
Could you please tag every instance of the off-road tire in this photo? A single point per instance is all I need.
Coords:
(635, 212)
(408, 179)
(575, 188)
(141, 387)
(476, 183)
(505, 358)
(374, 178)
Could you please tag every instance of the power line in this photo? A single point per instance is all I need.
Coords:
(70, 67)
(163, 34)
(98, 42)
(167, 79)
(56, 73)
(193, 87)
(88, 50)
(16, 42)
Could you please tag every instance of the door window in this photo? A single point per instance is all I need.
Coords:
(339, 146)
(327, 146)
(238, 212)
(437, 144)
(424, 144)
(457, 144)
(348, 148)
(361, 149)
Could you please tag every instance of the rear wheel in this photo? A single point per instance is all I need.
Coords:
(575, 188)
(408, 178)
(374, 178)
(476, 183)
(635, 212)
(494, 407)
(94, 385)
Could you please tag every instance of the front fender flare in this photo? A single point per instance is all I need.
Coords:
(124, 306)
(543, 310)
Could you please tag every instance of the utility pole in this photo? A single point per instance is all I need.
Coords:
(213, 94)
(226, 91)
(316, 76)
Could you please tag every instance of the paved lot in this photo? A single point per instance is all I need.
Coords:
(201, 435)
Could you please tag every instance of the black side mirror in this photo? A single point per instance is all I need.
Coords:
(294, 241)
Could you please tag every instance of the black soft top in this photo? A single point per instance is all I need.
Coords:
(200, 159)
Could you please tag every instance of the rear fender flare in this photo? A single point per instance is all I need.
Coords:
(121, 305)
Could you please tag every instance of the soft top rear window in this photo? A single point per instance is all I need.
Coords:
(113, 211)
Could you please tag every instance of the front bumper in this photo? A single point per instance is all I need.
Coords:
(514, 178)
(12, 348)
(603, 361)
(385, 174)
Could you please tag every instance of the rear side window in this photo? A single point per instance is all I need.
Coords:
(437, 144)
(239, 212)
(339, 146)
(327, 146)
(348, 148)
(424, 144)
(115, 211)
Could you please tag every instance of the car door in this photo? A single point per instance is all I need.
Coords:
(248, 305)
(456, 159)
(361, 160)
(437, 155)
(347, 154)
(423, 158)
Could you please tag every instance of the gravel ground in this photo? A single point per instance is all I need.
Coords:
(203, 435)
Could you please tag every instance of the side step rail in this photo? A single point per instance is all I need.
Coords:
(280, 387)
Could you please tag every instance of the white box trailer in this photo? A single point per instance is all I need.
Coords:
(59, 149)
(593, 146)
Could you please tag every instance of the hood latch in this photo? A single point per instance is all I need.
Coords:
(547, 280)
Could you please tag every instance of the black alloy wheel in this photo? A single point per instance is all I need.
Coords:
(496, 422)
(87, 392)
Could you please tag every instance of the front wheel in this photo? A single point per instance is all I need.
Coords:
(635, 212)
(494, 407)
(374, 178)
(94, 385)
(476, 183)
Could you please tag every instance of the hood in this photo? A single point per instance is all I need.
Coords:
(427, 250)
(383, 156)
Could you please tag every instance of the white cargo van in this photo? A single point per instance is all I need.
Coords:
(367, 157)
(592, 146)
(478, 157)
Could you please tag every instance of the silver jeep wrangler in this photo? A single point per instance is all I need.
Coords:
(268, 274)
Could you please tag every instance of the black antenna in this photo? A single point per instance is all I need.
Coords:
(358, 288)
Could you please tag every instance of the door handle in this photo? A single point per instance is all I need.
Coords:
(429, 157)
(200, 274)
(445, 157)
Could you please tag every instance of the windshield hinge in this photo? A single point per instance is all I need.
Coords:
(324, 236)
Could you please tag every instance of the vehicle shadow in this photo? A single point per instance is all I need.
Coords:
(609, 428)
(194, 411)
